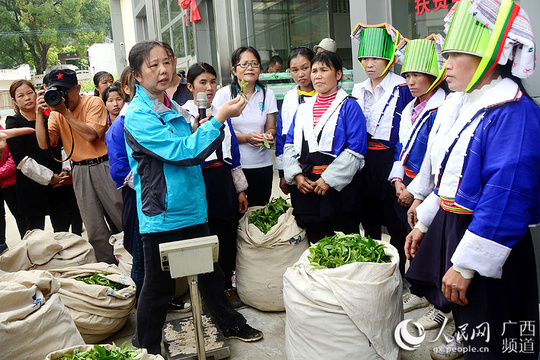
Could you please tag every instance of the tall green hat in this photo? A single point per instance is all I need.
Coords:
(377, 41)
(468, 35)
(424, 56)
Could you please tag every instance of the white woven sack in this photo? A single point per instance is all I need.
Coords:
(349, 312)
(262, 259)
(144, 355)
(98, 311)
(125, 260)
(33, 320)
(43, 250)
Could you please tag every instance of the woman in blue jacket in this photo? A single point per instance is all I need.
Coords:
(165, 156)
(472, 248)
(324, 153)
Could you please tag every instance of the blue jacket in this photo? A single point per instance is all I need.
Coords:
(501, 175)
(116, 147)
(404, 98)
(164, 157)
(418, 149)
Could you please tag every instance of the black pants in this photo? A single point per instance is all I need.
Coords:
(507, 304)
(378, 202)
(346, 223)
(226, 231)
(159, 287)
(132, 237)
(9, 195)
(259, 185)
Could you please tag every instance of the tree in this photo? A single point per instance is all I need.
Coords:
(29, 28)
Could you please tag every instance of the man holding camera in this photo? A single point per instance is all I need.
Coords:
(80, 122)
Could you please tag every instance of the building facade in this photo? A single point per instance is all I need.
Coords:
(275, 27)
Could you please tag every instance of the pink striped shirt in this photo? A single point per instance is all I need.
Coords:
(321, 105)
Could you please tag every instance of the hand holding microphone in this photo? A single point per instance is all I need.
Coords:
(202, 103)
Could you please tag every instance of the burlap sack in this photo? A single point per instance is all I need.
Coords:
(263, 258)
(33, 320)
(98, 311)
(43, 250)
(125, 260)
(349, 312)
(59, 353)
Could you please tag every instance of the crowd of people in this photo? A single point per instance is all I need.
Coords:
(442, 155)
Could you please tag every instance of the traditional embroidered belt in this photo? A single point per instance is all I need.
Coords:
(374, 145)
(92, 161)
(318, 169)
(449, 205)
(410, 173)
(214, 164)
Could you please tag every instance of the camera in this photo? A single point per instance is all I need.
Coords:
(54, 95)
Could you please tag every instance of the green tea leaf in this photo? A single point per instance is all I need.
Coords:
(341, 249)
(264, 219)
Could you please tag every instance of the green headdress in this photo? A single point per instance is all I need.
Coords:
(377, 41)
(424, 56)
(468, 35)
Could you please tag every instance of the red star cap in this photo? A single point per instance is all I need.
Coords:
(63, 78)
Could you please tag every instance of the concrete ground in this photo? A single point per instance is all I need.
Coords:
(272, 324)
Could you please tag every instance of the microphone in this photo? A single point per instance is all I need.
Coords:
(202, 101)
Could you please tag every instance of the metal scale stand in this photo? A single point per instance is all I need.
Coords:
(191, 258)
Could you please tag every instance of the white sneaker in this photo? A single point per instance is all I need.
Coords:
(434, 318)
(412, 302)
(449, 351)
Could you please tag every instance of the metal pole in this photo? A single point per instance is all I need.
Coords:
(197, 311)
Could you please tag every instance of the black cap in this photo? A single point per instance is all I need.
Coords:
(64, 78)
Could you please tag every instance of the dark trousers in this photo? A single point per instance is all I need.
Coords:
(76, 220)
(132, 237)
(226, 231)
(60, 215)
(345, 222)
(377, 213)
(509, 304)
(378, 201)
(9, 196)
(259, 185)
(159, 287)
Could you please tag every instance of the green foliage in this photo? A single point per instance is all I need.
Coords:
(123, 352)
(30, 28)
(268, 216)
(341, 249)
(87, 85)
(97, 279)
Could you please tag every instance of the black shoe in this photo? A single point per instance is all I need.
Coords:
(233, 298)
(179, 306)
(246, 333)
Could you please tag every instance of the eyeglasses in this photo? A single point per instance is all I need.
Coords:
(245, 65)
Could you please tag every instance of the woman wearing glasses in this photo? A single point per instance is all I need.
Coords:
(256, 123)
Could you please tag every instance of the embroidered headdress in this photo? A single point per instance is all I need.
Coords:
(379, 41)
(498, 31)
(425, 56)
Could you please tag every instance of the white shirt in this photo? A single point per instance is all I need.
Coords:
(378, 106)
(253, 118)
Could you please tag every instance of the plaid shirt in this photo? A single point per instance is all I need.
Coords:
(418, 109)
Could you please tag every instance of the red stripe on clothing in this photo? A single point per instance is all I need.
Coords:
(321, 105)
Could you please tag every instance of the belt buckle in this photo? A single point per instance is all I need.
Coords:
(93, 162)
